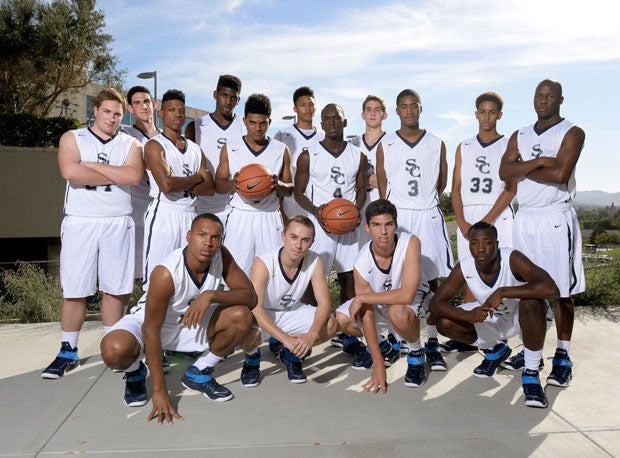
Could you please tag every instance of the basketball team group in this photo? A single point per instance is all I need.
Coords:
(233, 235)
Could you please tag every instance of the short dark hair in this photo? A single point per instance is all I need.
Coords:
(482, 226)
(300, 92)
(229, 81)
(135, 90)
(301, 219)
(380, 207)
(210, 217)
(490, 96)
(408, 92)
(258, 104)
(173, 94)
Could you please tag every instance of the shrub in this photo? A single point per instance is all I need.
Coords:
(601, 285)
(27, 130)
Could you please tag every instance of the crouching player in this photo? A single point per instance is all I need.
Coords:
(184, 310)
(510, 291)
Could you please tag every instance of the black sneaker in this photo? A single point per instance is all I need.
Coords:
(533, 390)
(66, 360)
(338, 340)
(517, 362)
(362, 361)
(434, 356)
(250, 372)
(202, 380)
(562, 369)
(135, 387)
(492, 360)
(455, 346)
(275, 346)
(293, 367)
(389, 353)
(165, 363)
(414, 377)
(352, 345)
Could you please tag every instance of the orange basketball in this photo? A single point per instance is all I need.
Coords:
(340, 216)
(254, 182)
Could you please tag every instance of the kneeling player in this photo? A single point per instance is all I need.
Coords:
(184, 310)
(510, 291)
(280, 278)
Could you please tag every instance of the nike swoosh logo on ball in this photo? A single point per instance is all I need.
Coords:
(341, 213)
(252, 186)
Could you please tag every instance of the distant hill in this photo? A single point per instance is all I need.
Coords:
(597, 198)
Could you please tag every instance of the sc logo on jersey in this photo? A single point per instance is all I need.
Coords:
(387, 285)
(102, 158)
(286, 300)
(537, 151)
(220, 143)
(483, 165)
(413, 168)
(337, 175)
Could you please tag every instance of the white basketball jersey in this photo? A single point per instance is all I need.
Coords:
(385, 280)
(332, 175)
(283, 293)
(212, 136)
(103, 200)
(185, 162)
(412, 170)
(480, 181)
(533, 144)
(141, 190)
(371, 154)
(271, 156)
(481, 290)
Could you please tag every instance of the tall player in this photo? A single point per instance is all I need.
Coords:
(177, 174)
(262, 217)
(97, 234)
(297, 137)
(543, 156)
(142, 106)
(212, 132)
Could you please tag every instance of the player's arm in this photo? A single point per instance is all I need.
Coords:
(457, 200)
(442, 180)
(223, 183)
(380, 172)
(565, 161)
(71, 166)
(502, 201)
(155, 161)
(190, 131)
(440, 305)
(360, 181)
(324, 303)
(302, 177)
(513, 166)
(130, 173)
(207, 187)
(284, 185)
(161, 289)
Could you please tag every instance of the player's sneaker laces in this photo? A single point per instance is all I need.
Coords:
(275, 346)
(517, 362)
(202, 380)
(66, 360)
(533, 390)
(363, 360)
(293, 367)
(561, 371)
(250, 372)
(135, 387)
(434, 356)
(451, 346)
(414, 377)
(492, 359)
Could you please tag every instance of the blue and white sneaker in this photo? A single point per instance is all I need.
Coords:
(293, 367)
(363, 360)
(250, 372)
(135, 387)
(351, 345)
(275, 346)
(562, 369)
(451, 346)
(66, 360)
(492, 360)
(533, 390)
(433, 355)
(517, 362)
(202, 380)
(414, 377)
(338, 340)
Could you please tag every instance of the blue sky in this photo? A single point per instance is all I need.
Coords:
(448, 50)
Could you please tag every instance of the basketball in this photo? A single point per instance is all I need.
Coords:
(340, 216)
(254, 182)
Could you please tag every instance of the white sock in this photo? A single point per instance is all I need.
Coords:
(71, 337)
(565, 345)
(414, 346)
(532, 358)
(252, 353)
(431, 331)
(208, 360)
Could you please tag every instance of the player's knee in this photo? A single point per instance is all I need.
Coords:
(533, 309)
(114, 352)
(241, 317)
(402, 316)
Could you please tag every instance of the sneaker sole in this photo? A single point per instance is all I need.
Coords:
(298, 381)
(361, 368)
(250, 385)
(48, 376)
(439, 368)
(137, 403)
(413, 385)
(227, 398)
(536, 404)
(554, 382)
(336, 344)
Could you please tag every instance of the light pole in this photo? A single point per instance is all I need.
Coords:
(148, 76)
(289, 117)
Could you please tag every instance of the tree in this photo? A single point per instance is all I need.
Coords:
(50, 48)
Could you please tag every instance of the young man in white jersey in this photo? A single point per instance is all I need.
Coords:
(299, 136)
(412, 172)
(543, 157)
(390, 293)
(478, 194)
(262, 217)
(280, 278)
(184, 310)
(142, 106)
(97, 234)
(177, 174)
(212, 132)
(509, 292)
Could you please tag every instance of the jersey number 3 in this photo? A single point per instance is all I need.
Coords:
(487, 185)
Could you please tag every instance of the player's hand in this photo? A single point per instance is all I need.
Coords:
(319, 216)
(464, 228)
(162, 409)
(194, 313)
(235, 180)
(479, 314)
(377, 381)
(303, 344)
(493, 301)
(354, 309)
